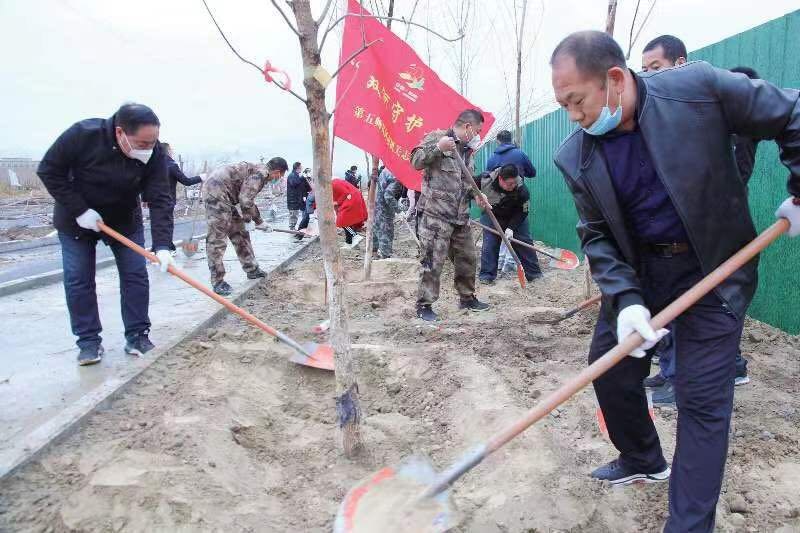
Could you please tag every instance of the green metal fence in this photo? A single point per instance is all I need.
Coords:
(772, 49)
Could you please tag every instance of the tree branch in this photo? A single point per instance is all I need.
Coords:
(247, 61)
(402, 19)
(353, 56)
(324, 14)
(288, 22)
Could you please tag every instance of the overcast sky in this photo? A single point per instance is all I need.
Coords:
(65, 60)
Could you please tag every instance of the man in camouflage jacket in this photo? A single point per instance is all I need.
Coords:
(231, 213)
(443, 208)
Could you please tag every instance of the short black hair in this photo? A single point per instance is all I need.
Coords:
(594, 52)
(473, 116)
(130, 117)
(297, 165)
(747, 71)
(509, 171)
(505, 137)
(354, 167)
(277, 163)
(672, 46)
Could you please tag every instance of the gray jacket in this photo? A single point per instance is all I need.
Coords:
(686, 116)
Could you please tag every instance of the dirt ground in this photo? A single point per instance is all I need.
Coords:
(224, 434)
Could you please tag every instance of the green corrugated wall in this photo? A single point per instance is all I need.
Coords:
(773, 49)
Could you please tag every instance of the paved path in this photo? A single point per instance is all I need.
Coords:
(25, 263)
(43, 391)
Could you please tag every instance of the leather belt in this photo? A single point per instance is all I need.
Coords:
(666, 249)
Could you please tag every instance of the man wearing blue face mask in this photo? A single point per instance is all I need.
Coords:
(652, 225)
(96, 171)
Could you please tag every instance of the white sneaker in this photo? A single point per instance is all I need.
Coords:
(356, 241)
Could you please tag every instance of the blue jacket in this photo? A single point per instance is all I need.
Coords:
(510, 154)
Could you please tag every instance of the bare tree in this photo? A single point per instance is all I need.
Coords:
(315, 82)
(633, 38)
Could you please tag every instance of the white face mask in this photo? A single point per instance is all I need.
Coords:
(142, 155)
(474, 142)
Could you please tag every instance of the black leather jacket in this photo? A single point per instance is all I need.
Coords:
(686, 116)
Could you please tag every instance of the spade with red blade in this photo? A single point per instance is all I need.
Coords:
(311, 354)
(561, 259)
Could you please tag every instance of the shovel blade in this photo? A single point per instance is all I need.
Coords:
(189, 248)
(389, 501)
(567, 260)
(521, 277)
(316, 356)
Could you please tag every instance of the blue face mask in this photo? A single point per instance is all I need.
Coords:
(607, 121)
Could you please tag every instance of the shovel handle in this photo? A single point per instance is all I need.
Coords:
(581, 306)
(471, 182)
(281, 230)
(515, 241)
(609, 359)
(202, 288)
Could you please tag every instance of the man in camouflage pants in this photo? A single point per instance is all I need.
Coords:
(444, 212)
(386, 206)
(225, 189)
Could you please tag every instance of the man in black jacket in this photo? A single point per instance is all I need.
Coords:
(510, 199)
(96, 171)
(175, 174)
(652, 225)
(297, 189)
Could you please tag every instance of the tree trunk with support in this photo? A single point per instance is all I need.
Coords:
(373, 179)
(348, 407)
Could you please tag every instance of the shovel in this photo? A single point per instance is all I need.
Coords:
(290, 231)
(411, 494)
(467, 175)
(565, 260)
(311, 354)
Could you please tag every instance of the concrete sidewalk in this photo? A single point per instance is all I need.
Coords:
(42, 389)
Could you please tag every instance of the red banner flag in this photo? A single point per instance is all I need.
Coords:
(387, 99)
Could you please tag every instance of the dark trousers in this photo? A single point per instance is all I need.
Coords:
(706, 339)
(491, 250)
(666, 359)
(78, 259)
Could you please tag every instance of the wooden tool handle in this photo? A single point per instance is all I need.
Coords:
(581, 306)
(197, 285)
(609, 359)
(515, 241)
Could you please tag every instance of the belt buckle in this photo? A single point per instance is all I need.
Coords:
(665, 250)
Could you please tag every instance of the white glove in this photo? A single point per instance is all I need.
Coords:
(203, 176)
(249, 226)
(636, 319)
(790, 210)
(264, 227)
(165, 259)
(509, 233)
(89, 220)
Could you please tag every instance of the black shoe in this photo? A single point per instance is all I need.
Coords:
(656, 381)
(535, 277)
(486, 281)
(90, 355)
(617, 474)
(473, 305)
(425, 312)
(664, 396)
(256, 274)
(139, 344)
(299, 237)
(223, 289)
(741, 377)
